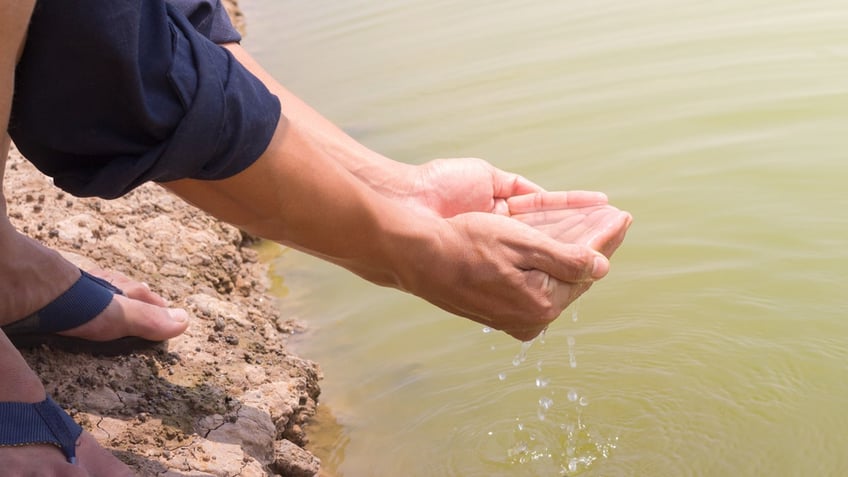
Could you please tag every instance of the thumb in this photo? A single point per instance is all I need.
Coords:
(508, 184)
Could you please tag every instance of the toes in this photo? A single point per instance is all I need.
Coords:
(149, 321)
(138, 312)
(131, 288)
(129, 317)
(142, 292)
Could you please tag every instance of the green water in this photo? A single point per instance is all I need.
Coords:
(717, 346)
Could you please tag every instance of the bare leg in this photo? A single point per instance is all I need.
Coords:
(32, 276)
(20, 384)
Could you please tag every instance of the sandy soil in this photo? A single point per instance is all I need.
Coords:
(224, 399)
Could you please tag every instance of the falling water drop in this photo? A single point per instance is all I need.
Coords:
(522, 355)
(572, 355)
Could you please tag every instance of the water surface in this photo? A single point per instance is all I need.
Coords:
(717, 344)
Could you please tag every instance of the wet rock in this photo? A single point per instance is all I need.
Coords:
(292, 461)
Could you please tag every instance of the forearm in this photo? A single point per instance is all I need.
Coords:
(374, 169)
(298, 194)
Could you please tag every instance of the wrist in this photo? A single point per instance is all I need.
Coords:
(415, 249)
(390, 178)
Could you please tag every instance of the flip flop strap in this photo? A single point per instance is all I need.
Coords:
(43, 422)
(86, 298)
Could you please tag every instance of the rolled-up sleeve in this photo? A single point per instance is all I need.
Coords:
(210, 18)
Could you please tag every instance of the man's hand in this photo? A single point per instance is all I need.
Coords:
(448, 187)
(514, 277)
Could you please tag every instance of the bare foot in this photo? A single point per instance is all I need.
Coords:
(32, 276)
(20, 384)
(48, 461)
(36, 275)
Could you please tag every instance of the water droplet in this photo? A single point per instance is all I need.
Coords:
(502, 376)
(572, 356)
(546, 403)
(572, 395)
(542, 382)
(522, 355)
(583, 401)
(487, 330)
(574, 307)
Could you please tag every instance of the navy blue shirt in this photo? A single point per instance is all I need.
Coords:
(110, 94)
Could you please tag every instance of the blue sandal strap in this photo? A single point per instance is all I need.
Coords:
(43, 422)
(86, 298)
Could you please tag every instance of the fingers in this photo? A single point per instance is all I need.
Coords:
(560, 294)
(601, 228)
(608, 239)
(545, 201)
(567, 262)
(501, 207)
(507, 184)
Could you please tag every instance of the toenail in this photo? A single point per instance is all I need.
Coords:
(178, 314)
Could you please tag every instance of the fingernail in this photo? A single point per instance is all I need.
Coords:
(600, 267)
(601, 198)
(178, 314)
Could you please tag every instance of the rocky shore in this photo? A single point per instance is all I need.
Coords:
(224, 399)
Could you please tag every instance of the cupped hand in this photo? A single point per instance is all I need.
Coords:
(448, 187)
(518, 274)
(558, 215)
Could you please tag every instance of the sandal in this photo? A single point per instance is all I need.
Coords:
(81, 303)
(44, 422)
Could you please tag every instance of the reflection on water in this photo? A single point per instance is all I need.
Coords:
(716, 346)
